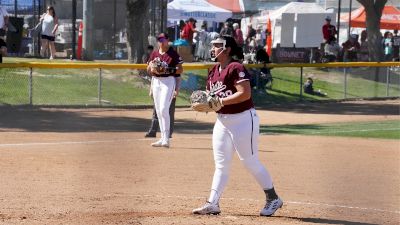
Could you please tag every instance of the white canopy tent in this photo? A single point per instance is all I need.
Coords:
(200, 10)
(296, 23)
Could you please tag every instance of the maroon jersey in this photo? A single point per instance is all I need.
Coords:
(169, 59)
(223, 84)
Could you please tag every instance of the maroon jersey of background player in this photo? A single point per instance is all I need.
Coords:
(171, 57)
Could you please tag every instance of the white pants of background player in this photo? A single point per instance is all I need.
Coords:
(236, 132)
(163, 91)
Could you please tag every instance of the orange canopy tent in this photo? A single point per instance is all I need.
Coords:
(390, 19)
(234, 6)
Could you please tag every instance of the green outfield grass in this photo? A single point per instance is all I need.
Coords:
(126, 87)
(378, 129)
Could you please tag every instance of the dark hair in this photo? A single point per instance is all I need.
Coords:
(236, 51)
(52, 8)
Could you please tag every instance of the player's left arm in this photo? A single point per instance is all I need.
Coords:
(177, 86)
(243, 94)
(179, 68)
(55, 25)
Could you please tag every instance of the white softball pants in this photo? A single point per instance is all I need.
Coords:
(163, 91)
(236, 132)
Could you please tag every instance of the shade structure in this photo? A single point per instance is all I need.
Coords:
(235, 6)
(390, 19)
(198, 9)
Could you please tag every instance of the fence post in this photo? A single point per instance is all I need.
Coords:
(100, 86)
(30, 89)
(345, 82)
(387, 81)
(301, 83)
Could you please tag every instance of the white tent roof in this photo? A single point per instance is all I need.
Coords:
(296, 8)
(302, 23)
(198, 9)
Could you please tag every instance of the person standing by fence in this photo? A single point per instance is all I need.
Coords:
(49, 22)
(3, 29)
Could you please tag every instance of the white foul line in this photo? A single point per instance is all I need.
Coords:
(65, 143)
(84, 142)
(285, 202)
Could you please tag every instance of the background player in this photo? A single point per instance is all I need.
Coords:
(164, 65)
(236, 128)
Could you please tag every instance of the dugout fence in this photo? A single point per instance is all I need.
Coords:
(127, 85)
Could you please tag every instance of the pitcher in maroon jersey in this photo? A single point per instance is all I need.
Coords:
(236, 128)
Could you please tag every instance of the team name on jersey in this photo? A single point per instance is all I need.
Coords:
(218, 89)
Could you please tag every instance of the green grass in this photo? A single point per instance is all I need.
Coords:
(125, 87)
(286, 85)
(379, 129)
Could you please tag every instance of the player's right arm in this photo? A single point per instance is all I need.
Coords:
(243, 93)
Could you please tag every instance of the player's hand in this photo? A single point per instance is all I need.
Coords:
(154, 70)
(176, 93)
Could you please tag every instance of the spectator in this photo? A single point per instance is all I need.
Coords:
(227, 30)
(388, 46)
(264, 35)
(49, 27)
(3, 28)
(3, 21)
(259, 44)
(3, 49)
(145, 59)
(328, 30)
(308, 86)
(351, 48)
(331, 50)
(202, 52)
(363, 55)
(146, 55)
(249, 41)
(238, 35)
(396, 46)
(188, 30)
(309, 89)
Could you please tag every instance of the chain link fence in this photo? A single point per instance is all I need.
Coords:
(121, 87)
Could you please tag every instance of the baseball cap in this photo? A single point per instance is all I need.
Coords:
(328, 18)
(162, 37)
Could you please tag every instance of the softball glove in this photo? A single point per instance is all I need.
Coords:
(202, 101)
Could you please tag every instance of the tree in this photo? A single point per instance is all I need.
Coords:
(373, 11)
(137, 29)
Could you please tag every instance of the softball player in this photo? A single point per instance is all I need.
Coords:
(236, 128)
(165, 65)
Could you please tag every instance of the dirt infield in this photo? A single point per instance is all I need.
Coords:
(93, 166)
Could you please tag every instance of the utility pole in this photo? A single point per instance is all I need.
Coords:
(350, 8)
(73, 29)
(15, 8)
(338, 20)
(87, 41)
(38, 44)
(114, 29)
